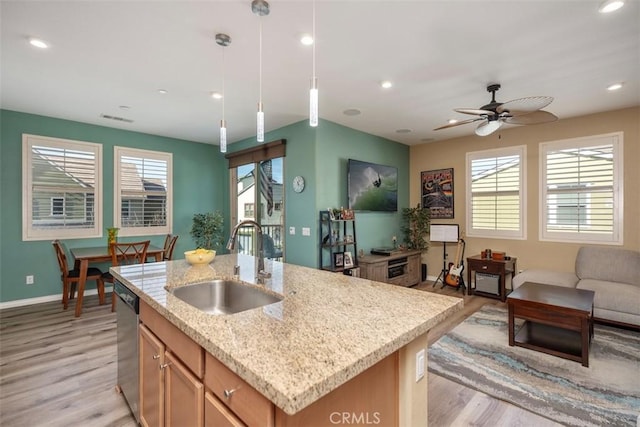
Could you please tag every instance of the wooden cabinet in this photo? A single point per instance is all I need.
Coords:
(502, 270)
(243, 400)
(151, 379)
(171, 394)
(401, 268)
(196, 389)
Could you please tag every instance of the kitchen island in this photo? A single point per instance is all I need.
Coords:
(327, 332)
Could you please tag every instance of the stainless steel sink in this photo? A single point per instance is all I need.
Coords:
(224, 296)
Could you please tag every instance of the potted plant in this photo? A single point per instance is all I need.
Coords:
(415, 227)
(207, 229)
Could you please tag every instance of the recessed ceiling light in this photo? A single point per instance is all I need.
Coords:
(386, 84)
(352, 112)
(609, 6)
(306, 40)
(452, 121)
(403, 131)
(162, 91)
(38, 43)
(216, 95)
(614, 86)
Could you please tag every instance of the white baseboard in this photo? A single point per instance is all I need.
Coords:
(46, 298)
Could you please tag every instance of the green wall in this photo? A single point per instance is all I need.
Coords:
(320, 155)
(200, 184)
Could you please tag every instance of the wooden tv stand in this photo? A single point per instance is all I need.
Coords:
(400, 268)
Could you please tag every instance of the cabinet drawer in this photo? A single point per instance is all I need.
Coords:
(250, 406)
(487, 267)
(216, 414)
(187, 350)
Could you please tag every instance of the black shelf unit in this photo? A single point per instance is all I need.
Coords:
(334, 239)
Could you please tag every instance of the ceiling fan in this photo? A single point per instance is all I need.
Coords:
(522, 111)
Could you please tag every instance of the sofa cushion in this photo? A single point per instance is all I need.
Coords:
(614, 296)
(609, 264)
(545, 277)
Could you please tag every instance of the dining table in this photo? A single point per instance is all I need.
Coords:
(84, 256)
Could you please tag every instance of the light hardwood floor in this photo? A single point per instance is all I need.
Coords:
(58, 370)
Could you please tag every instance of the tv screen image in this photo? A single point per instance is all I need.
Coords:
(372, 187)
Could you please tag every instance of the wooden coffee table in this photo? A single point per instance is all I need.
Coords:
(558, 320)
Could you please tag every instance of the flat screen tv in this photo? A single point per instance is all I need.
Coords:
(372, 187)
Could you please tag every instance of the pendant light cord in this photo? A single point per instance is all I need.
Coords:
(313, 36)
(223, 90)
(260, 62)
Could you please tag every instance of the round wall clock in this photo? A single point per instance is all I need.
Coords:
(298, 184)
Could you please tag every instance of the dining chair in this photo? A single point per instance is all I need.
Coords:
(125, 254)
(169, 245)
(71, 277)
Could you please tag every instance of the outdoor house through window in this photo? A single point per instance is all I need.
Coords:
(143, 192)
(495, 190)
(62, 188)
(257, 193)
(581, 190)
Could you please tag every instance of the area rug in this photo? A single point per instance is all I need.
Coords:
(476, 353)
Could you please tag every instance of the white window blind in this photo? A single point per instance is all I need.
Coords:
(61, 188)
(495, 193)
(143, 194)
(581, 190)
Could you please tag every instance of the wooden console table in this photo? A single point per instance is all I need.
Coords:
(400, 268)
(503, 269)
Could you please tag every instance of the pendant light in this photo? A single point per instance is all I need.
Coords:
(313, 92)
(260, 8)
(224, 41)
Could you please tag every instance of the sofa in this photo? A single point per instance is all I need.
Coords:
(614, 275)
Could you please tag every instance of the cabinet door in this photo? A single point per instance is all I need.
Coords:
(216, 414)
(184, 394)
(151, 379)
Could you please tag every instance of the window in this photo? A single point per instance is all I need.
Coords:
(496, 191)
(581, 190)
(142, 192)
(62, 188)
(248, 210)
(57, 206)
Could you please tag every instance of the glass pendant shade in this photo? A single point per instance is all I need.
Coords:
(223, 136)
(313, 104)
(260, 124)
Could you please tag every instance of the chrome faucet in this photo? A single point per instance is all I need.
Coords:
(232, 244)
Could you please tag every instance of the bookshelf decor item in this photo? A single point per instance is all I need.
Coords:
(337, 240)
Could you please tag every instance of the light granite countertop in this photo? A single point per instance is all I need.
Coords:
(328, 329)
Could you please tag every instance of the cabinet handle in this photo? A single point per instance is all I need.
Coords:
(164, 365)
(156, 357)
(228, 393)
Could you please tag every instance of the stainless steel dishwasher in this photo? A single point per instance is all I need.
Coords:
(127, 315)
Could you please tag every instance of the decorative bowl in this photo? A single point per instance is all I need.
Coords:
(200, 256)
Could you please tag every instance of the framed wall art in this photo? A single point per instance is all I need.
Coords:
(437, 192)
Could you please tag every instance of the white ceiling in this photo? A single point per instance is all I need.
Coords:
(440, 55)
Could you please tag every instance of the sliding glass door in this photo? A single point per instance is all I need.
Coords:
(257, 194)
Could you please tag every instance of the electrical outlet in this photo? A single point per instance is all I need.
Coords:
(292, 231)
(306, 231)
(29, 280)
(420, 356)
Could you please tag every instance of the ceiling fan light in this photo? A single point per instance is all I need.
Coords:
(488, 128)
(609, 6)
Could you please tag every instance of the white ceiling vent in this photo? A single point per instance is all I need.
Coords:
(116, 118)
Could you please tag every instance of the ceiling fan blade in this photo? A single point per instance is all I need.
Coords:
(521, 106)
(462, 122)
(474, 111)
(488, 128)
(532, 118)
